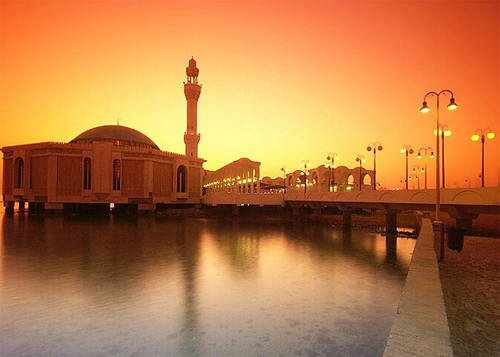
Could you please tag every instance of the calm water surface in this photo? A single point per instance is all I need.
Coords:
(146, 286)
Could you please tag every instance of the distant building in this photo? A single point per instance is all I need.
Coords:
(107, 165)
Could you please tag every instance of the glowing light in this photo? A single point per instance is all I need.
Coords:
(452, 105)
(425, 108)
(475, 137)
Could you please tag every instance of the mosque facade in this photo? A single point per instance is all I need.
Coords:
(110, 165)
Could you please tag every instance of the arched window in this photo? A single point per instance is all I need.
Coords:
(87, 173)
(181, 178)
(367, 180)
(116, 175)
(19, 173)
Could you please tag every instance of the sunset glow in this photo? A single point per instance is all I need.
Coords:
(283, 81)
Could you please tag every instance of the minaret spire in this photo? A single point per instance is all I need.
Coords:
(192, 91)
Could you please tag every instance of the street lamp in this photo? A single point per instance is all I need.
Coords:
(284, 169)
(406, 149)
(425, 109)
(482, 134)
(306, 164)
(419, 155)
(374, 146)
(331, 157)
(416, 179)
(416, 169)
(360, 159)
(443, 131)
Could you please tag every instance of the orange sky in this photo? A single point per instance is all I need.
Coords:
(283, 81)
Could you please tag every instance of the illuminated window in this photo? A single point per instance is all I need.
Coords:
(19, 173)
(87, 173)
(116, 175)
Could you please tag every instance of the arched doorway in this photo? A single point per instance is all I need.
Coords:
(116, 175)
(19, 173)
(181, 178)
(367, 180)
(350, 182)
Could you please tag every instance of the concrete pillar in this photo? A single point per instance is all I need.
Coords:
(22, 206)
(317, 211)
(391, 224)
(9, 207)
(465, 223)
(390, 246)
(296, 210)
(235, 210)
(346, 218)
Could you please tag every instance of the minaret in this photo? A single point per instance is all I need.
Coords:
(192, 91)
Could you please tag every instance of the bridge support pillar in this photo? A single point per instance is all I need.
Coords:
(346, 218)
(391, 224)
(462, 219)
(235, 210)
(465, 223)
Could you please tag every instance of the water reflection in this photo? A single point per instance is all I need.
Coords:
(181, 286)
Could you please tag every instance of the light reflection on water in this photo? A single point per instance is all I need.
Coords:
(162, 286)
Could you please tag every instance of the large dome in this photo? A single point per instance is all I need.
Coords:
(121, 134)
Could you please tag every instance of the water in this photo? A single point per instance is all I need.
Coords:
(146, 286)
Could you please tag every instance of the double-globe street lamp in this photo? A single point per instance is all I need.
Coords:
(482, 134)
(417, 169)
(360, 159)
(415, 178)
(374, 146)
(331, 158)
(425, 109)
(419, 156)
(306, 165)
(443, 131)
(406, 149)
(284, 169)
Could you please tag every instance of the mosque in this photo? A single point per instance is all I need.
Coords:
(113, 166)
(110, 165)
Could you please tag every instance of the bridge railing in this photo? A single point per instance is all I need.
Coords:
(238, 199)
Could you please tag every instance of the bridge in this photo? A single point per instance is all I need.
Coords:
(462, 204)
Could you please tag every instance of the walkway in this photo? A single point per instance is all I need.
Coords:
(421, 325)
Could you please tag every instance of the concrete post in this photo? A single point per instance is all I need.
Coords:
(9, 207)
(391, 224)
(346, 218)
(465, 223)
(235, 210)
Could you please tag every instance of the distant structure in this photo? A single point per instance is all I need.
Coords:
(106, 166)
(192, 92)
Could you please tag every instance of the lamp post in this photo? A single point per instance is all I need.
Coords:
(443, 131)
(331, 157)
(482, 134)
(419, 155)
(306, 164)
(406, 149)
(360, 159)
(425, 109)
(416, 169)
(414, 177)
(284, 169)
(374, 146)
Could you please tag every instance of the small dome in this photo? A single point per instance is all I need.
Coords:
(191, 70)
(123, 134)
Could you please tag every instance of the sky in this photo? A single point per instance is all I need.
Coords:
(283, 81)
